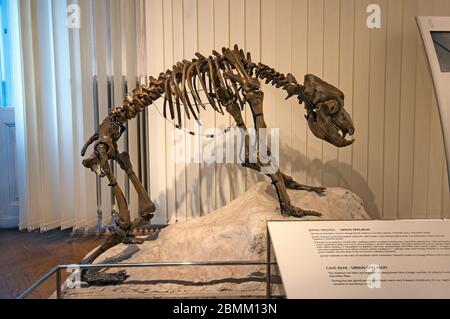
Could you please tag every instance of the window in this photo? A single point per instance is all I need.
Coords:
(5, 56)
(441, 40)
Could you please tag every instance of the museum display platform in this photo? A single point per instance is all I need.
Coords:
(235, 232)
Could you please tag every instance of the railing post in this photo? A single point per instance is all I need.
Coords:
(58, 284)
(268, 290)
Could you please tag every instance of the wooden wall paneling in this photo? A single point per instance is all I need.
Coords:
(129, 66)
(407, 109)
(101, 47)
(424, 91)
(268, 56)
(141, 30)
(315, 66)
(192, 142)
(435, 162)
(253, 22)
(331, 42)
(346, 77)
(283, 63)
(237, 36)
(377, 82)
(421, 135)
(221, 39)
(392, 108)
(207, 169)
(156, 123)
(445, 194)
(171, 177)
(64, 107)
(361, 67)
(178, 55)
(299, 70)
(170, 161)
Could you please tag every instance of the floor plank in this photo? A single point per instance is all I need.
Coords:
(24, 257)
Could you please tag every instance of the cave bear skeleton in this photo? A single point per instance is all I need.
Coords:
(229, 81)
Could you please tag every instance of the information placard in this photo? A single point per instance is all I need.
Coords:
(363, 259)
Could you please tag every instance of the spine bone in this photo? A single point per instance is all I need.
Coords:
(270, 75)
(139, 99)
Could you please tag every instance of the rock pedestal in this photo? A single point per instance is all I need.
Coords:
(234, 232)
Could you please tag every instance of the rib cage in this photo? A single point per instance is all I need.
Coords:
(224, 78)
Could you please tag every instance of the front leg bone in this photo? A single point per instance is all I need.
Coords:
(292, 184)
(120, 231)
(291, 210)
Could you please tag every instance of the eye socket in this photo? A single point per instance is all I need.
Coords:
(333, 106)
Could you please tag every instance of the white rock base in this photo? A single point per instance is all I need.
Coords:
(236, 231)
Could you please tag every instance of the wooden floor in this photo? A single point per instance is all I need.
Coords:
(24, 257)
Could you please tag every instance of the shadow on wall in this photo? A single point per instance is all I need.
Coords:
(331, 168)
(335, 169)
(209, 184)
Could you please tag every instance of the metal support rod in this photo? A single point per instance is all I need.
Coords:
(98, 182)
(268, 265)
(139, 143)
(126, 138)
(144, 132)
(58, 284)
(112, 163)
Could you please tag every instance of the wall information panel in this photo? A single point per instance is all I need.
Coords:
(363, 259)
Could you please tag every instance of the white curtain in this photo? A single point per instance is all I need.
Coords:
(57, 114)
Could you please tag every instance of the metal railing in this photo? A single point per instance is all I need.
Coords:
(58, 269)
